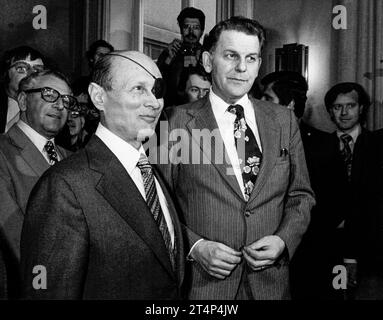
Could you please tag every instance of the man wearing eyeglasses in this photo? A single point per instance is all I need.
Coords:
(17, 64)
(349, 183)
(110, 230)
(182, 53)
(27, 150)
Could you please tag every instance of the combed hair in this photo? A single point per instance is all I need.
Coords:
(188, 71)
(288, 86)
(236, 23)
(347, 87)
(102, 72)
(18, 53)
(27, 82)
(192, 13)
(97, 44)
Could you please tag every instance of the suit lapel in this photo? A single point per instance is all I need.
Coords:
(268, 134)
(117, 187)
(203, 118)
(28, 151)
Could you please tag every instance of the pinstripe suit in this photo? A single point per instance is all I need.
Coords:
(212, 205)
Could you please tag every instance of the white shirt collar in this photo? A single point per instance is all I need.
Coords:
(124, 151)
(219, 106)
(37, 139)
(354, 133)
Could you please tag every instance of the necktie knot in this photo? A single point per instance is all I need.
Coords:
(346, 139)
(52, 154)
(143, 163)
(236, 109)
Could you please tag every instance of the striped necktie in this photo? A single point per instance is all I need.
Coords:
(346, 152)
(153, 203)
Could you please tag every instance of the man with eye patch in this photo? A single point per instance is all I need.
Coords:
(16, 65)
(27, 150)
(101, 222)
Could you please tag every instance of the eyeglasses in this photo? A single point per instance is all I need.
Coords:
(25, 68)
(191, 26)
(347, 106)
(52, 95)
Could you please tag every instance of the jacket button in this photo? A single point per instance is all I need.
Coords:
(247, 213)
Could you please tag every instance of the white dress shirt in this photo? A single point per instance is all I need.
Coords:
(37, 139)
(13, 113)
(225, 121)
(129, 156)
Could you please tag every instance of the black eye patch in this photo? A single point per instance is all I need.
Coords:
(159, 88)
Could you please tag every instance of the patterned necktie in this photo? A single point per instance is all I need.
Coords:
(153, 203)
(52, 154)
(250, 158)
(346, 152)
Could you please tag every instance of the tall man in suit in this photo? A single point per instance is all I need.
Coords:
(26, 151)
(352, 212)
(244, 218)
(16, 64)
(100, 223)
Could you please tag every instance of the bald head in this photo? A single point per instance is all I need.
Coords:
(108, 71)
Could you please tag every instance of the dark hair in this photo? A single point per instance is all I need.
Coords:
(188, 71)
(191, 12)
(102, 72)
(347, 87)
(97, 44)
(288, 86)
(237, 23)
(19, 53)
(26, 82)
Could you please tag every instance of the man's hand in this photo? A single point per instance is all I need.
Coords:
(216, 259)
(173, 48)
(263, 253)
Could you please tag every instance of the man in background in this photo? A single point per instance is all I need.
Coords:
(16, 65)
(26, 151)
(182, 53)
(194, 84)
(351, 222)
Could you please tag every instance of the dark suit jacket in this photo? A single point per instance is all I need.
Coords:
(21, 165)
(338, 200)
(212, 204)
(88, 224)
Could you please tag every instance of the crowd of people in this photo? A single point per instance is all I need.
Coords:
(268, 208)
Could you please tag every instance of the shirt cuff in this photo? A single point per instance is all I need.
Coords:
(349, 260)
(189, 257)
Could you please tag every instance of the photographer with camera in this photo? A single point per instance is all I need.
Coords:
(182, 53)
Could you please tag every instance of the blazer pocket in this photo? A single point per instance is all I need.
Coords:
(282, 161)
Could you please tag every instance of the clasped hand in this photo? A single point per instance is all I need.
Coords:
(219, 260)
